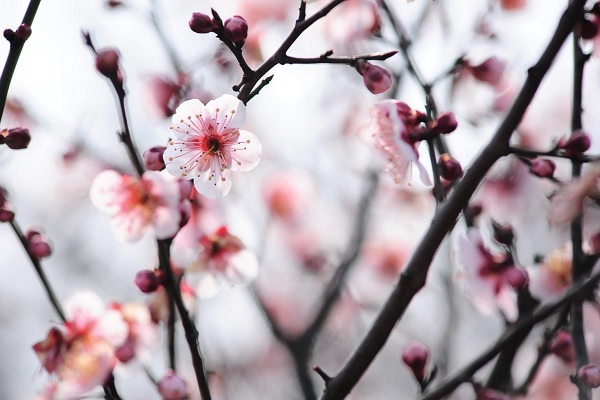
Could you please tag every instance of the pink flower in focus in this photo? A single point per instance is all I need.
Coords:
(221, 258)
(138, 205)
(551, 277)
(393, 122)
(208, 144)
(492, 278)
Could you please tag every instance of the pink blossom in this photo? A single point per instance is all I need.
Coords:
(208, 144)
(256, 11)
(567, 203)
(551, 277)
(392, 123)
(387, 258)
(353, 20)
(491, 277)
(138, 205)
(287, 194)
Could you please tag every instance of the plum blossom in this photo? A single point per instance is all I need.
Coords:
(393, 122)
(208, 144)
(138, 205)
(567, 203)
(287, 194)
(552, 276)
(492, 278)
(353, 20)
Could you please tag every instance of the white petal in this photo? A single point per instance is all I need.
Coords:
(205, 284)
(105, 191)
(166, 222)
(213, 186)
(164, 188)
(129, 227)
(231, 114)
(246, 154)
(243, 267)
(189, 108)
(177, 157)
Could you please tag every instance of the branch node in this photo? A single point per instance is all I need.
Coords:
(326, 378)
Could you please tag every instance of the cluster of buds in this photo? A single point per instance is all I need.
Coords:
(577, 144)
(377, 79)
(16, 138)
(37, 244)
(234, 29)
(22, 33)
(6, 212)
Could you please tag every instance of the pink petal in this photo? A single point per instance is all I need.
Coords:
(129, 227)
(249, 156)
(106, 191)
(213, 186)
(166, 222)
(231, 114)
(243, 267)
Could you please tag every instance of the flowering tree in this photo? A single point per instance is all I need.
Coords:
(327, 270)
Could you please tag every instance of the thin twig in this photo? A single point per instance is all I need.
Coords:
(326, 58)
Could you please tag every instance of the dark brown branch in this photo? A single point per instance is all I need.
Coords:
(510, 334)
(414, 276)
(326, 58)
(16, 47)
(580, 158)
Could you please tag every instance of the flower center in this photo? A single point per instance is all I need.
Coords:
(213, 145)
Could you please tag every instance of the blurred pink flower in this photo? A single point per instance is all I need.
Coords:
(138, 205)
(552, 276)
(163, 94)
(567, 202)
(287, 194)
(208, 144)
(257, 11)
(353, 20)
(386, 258)
(392, 124)
(491, 278)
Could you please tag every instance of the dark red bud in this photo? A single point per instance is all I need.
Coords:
(578, 143)
(107, 63)
(147, 281)
(201, 23)
(153, 158)
(589, 375)
(444, 123)
(6, 215)
(562, 346)
(126, 352)
(37, 244)
(377, 79)
(516, 277)
(450, 169)
(542, 168)
(17, 138)
(9, 35)
(114, 3)
(23, 31)
(415, 356)
(588, 27)
(236, 29)
(490, 71)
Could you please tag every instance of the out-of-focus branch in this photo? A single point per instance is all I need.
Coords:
(510, 334)
(415, 274)
(579, 158)
(326, 58)
(16, 46)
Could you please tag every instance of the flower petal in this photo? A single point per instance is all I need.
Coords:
(166, 222)
(247, 155)
(178, 156)
(243, 267)
(106, 191)
(128, 227)
(213, 185)
(189, 108)
(227, 111)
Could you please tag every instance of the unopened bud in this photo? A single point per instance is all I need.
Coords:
(236, 29)
(107, 63)
(415, 356)
(23, 31)
(172, 387)
(444, 123)
(201, 23)
(516, 277)
(6, 215)
(490, 71)
(542, 167)
(578, 143)
(37, 244)
(588, 27)
(16, 138)
(377, 79)
(147, 281)
(503, 234)
(114, 3)
(153, 158)
(450, 169)
(589, 375)
(9, 35)
(562, 346)
(126, 352)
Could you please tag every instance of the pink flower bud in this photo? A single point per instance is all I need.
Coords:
(23, 31)
(153, 158)
(236, 29)
(126, 352)
(114, 3)
(562, 346)
(172, 387)
(16, 138)
(377, 79)
(147, 281)
(542, 168)
(107, 63)
(516, 277)
(6, 215)
(201, 23)
(37, 244)
(444, 123)
(450, 169)
(588, 27)
(415, 356)
(490, 71)
(577, 144)
(589, 375)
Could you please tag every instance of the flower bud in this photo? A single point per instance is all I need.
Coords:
(16, 138)
(415, 357)
(9, 35)
(450, 169)
(201, 23)
(562, 346)
(377, 79)
(588, 27)
(503, 234)
(153, 158)
(490, 71)
(126, 352)
(542, 168)
(444, 123)
(23, 31)
(37, 244)
(114, 3)
(516, 277)
(589, 375)
(107, 63)
(236, 29)
(577, 144)
(172, 387)
(6, 215)
(147, 281)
